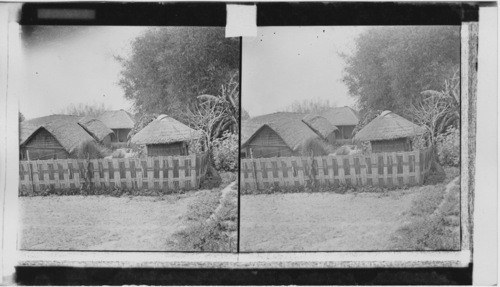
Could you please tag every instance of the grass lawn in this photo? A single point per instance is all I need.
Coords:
(141, 223)
(339, 222)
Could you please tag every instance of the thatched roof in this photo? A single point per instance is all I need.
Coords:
(119, 119)
(388, 126)
(95, 127)
(319, 124)
(342, 116)
(165, 130)
(64, 128)
(289, 126)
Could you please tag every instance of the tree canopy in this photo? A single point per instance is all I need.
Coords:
(169, 67)
(391, 66)
(305, 106)
(81, 109)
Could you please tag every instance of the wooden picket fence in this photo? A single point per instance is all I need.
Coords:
(162, 172)
(377, 169)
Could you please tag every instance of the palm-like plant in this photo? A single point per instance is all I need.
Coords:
(228, 101)
(436, 110)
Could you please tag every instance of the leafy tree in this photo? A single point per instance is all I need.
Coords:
(366, 116)
(21, 117)
(81, 109)
(169, 67)
(228, 101)
(391, 66)
(310, 106)
(205, 117)
(141, 122)
(438, 110)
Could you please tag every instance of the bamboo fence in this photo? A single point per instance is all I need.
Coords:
(376, 169)
(161, 172)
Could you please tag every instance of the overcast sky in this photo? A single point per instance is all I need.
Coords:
(71, 65)
(285, 64)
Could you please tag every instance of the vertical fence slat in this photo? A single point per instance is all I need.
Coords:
(194, 184)
(406, 169)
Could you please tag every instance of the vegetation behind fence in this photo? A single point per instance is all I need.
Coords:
(377, 169)
(160, 173)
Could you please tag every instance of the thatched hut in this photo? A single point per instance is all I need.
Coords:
(322, 127)
(165, 136)
(121, 122)
(281, 134)
(97, 129)
(55, 140)
(59, 136)
(389, 132)
(344, 118)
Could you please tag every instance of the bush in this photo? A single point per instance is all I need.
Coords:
(419, 142)
(448, 147)
(325, 187)
(119, 153)
(91, 150)
(436, 174)
(225, 152)
(343, 150)
(314, 147)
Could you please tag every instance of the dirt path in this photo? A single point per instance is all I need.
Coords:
(322, 221)
(101, 222)
(223, 196)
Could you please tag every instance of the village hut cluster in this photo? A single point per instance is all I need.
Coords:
(283, 134)
(61, 136)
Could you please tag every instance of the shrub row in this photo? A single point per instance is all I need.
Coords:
(110, 191)
(340, 189)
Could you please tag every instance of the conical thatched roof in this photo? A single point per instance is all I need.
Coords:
(388, 126)
(165, 130)
(119, 119)
(320, 125)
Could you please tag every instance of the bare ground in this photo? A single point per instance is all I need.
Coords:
(323, 221)
(101, 222)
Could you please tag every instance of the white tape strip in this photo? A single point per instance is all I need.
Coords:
(241, 20)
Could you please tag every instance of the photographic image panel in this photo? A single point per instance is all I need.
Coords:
(128, 138)
(350, 139)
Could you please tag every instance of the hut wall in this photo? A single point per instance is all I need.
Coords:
(178, 148)
(267, 144)
(120, 135)
(391, 145)
(43, 145)
(345, 132)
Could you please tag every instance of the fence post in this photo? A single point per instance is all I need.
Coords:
(254, 169)
(30, 176)
(193, 171)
